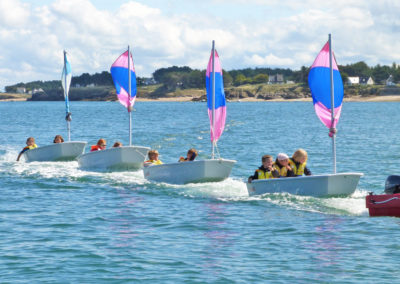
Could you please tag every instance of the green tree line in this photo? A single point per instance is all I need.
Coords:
(184, 77)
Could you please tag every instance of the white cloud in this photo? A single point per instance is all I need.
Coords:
(248, 33)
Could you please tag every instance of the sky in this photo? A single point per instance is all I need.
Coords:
(247, 34)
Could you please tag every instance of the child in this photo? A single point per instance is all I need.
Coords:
(58, 139)
(30, 144)
(117, 144)
(298, 163)
(101, 145)
(153, 158)
(266, 171)
(190, 156)
(282, 165)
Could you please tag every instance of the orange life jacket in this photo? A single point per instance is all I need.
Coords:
(95, 148)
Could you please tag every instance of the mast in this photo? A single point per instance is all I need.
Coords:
(213, 98)
(68, 114)
(332, 130)
(129, 100)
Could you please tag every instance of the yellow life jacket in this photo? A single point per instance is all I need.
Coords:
(282, 171)
(264, 175)
(30, 147)
(298, 171)
(158, 162)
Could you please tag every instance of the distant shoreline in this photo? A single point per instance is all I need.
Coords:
(393, 98)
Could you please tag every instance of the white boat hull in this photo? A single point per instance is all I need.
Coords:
(66, 151)
(190, 172)
(318, 186)
(119, 158)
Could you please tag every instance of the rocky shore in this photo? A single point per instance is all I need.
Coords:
(261, 92)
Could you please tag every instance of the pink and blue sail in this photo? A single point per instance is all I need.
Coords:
(219, 106)
(319, 80)
(120, 76)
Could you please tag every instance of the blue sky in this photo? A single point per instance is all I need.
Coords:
(248, 33)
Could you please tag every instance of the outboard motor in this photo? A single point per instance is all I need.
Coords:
(392, 185)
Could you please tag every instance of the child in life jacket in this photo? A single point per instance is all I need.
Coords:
(58, 139)
(266, 171)
(153, 158)
(117, 144)
(190, 156)
(30, 144)
(298, 163)
(282, 165)
(101, 145)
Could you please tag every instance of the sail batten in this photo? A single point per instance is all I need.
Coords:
(218, 116)
(120, 75)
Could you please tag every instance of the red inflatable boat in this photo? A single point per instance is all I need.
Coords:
(387, 204)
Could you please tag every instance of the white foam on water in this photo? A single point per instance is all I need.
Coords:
(228, 189)
(354, 204)
(68, 170)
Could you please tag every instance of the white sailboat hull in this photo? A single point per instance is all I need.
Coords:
(66, 151)
(318, 186)
(190, 172)
(119, 158)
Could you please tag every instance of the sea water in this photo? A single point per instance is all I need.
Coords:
(60, 224)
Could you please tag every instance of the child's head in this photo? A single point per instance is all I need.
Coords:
(267, 160)
(58, 139)
(102, 143)
(191, 154)
(117, 144)
(153, 155)
(30, 141)
(283, 159)
(300, 156)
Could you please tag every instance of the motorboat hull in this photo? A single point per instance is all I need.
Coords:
(383, 205)
(190, 172)
(118, 158)
(66, 151)
(318, 185)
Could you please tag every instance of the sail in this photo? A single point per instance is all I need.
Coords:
(120, 76)
(66, 80)
(220, 108)
(319, 80)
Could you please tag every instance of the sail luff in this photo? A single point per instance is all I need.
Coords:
(65, 82)
(130, 95)
(124, 78)
(331, 130)
(326, 87)
(213, 97)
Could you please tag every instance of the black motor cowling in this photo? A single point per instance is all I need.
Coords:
(392, 184)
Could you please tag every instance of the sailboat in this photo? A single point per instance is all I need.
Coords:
(327, 92)
(126, 157)
(209, 170)
(66, 151)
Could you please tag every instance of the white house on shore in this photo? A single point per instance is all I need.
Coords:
(360, 81)
(353, 80)
(366, 81)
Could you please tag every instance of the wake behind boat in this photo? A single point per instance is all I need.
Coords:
(118, 158)
(327, 92)
(208, 170)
